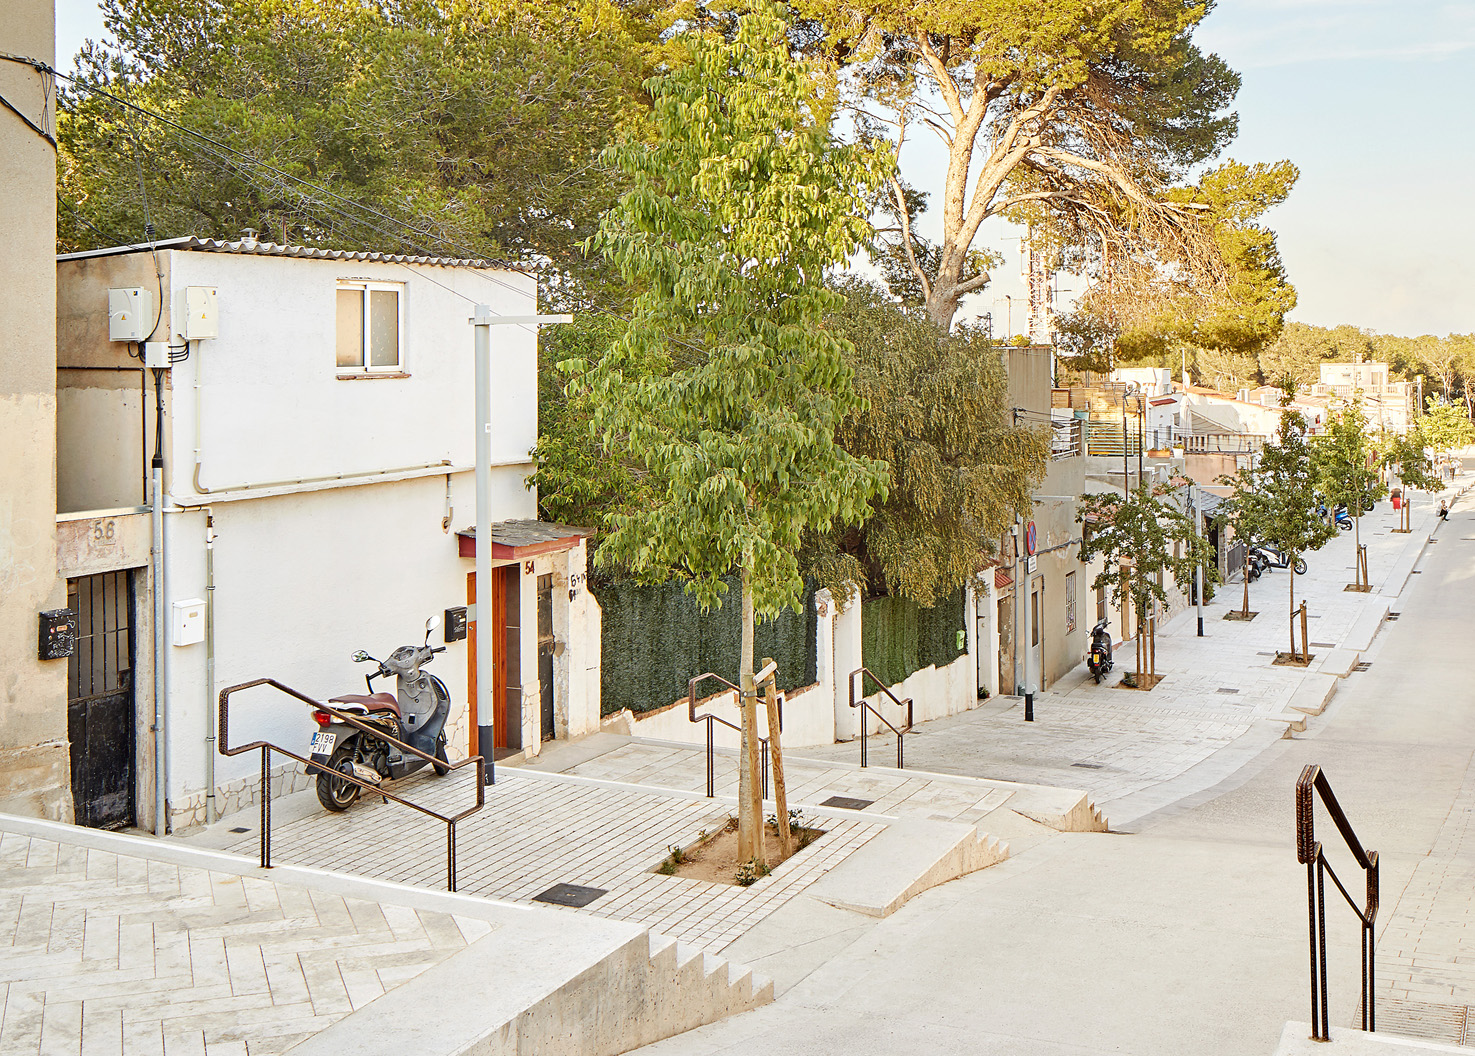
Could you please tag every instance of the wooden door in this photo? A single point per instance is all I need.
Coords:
(499, 659)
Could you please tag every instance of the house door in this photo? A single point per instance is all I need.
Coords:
(1006, 643)
(1037, 634)
(545, 655)
(497, 609)
(100, 719)
(980, 636)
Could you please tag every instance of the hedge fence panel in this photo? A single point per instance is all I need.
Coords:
(899, 637)
(656, 638)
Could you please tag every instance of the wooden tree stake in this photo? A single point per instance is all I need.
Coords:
(776, 762)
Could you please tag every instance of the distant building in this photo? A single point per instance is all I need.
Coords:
(1389, 404)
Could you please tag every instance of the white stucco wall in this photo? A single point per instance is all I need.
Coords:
(274, 407)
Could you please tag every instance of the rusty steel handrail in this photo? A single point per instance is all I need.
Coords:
(1309, 854)
(864, 673)
(267, 748)
(709, 718)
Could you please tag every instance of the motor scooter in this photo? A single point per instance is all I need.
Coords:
(1269, 556)
(415, 715)
(1099, 658)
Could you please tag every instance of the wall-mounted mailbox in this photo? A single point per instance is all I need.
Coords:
(455, 624)
(189, 621)
(58, 634)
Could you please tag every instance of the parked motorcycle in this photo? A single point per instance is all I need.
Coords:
(415, 715)
(1099, 659)
(1267, 556)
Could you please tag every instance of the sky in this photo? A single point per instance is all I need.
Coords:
(1373, 100)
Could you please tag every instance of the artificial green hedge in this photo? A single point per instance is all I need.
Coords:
(899, 637)
(656, 638)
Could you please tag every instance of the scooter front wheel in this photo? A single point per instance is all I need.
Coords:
(1300, 567)
(333, 792)
(443, 767)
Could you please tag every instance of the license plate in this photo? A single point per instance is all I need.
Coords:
(322, 742)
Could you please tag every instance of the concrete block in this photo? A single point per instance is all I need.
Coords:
(1366, 627)
(1314, 693)
(1338, 662)
(910, 856)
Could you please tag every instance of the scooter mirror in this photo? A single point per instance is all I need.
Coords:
(360, 656)
(431, 624)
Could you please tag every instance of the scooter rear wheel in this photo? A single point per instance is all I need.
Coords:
(333, 792)
(1300, 567)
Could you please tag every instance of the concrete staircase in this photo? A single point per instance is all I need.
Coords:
(564, 983)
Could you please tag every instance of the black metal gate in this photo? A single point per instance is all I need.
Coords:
(545, 653)
(100, 720)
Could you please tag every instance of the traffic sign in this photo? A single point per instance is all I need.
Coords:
(1029, 538)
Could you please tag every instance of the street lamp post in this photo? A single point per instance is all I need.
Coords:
(483, 320)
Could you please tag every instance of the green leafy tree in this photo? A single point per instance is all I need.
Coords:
(1246, 513)
(1344, 461)
(1143, 537)
(936, 412)
(740, 199)
(1285, 482)
(465, 127)
(1445, 426)
(1070, 115)
(1407, 454)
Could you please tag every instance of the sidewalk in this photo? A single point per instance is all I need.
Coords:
(1221, 702)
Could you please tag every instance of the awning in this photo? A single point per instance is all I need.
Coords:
(1002, 580)
(518, 540)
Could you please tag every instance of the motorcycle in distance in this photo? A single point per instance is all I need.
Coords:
(414, 715)
(1267, 556)
(1099, 659)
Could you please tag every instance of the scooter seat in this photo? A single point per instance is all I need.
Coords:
(372, 701)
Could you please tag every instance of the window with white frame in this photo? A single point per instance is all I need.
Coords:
(370, 327)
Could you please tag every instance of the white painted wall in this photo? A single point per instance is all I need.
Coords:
(274, 407)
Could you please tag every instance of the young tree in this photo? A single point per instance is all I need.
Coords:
(740, 200)
(1343, 462)
(1286, 480)
(936, 411)
(1245, 512)
(1407, 454)
(1142, 537)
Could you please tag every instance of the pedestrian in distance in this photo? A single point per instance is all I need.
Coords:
(1444, 509)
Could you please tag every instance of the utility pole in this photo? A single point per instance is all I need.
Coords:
(486, 674)
(1198, 568)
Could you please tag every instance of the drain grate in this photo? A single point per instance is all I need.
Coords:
(570, 895)
(1088, 766)
(1265, 654)
(1363, 666)
(240, 828)
(1418, 1019)
(847, 802)
(1225, 689)
(1323, 645)
(1393, 615)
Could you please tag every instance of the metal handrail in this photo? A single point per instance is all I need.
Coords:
(709, 718)
(1309, 854)
(865, 672)
(267, 748)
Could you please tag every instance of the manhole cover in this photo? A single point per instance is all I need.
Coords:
(847, 803)
(569, 895)
(240, 828)
(1225, 689)
(1088, 766)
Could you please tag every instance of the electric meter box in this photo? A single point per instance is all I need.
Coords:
(189, 621)
(201, 313)
(130, 314)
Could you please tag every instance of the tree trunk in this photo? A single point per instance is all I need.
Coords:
(776, 762)
(1293, 608)
(750, 791)
(1245, 575)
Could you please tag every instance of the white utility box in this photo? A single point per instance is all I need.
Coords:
(201, 314)
(130, 314)
(189, 621)
(156, 354)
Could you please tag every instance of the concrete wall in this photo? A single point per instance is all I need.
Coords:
(34, 764)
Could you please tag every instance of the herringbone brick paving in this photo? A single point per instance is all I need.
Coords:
(153, 959)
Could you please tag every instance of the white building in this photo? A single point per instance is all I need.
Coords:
(318, 451)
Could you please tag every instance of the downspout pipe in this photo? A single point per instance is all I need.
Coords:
(157, 556)
(210, 712)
